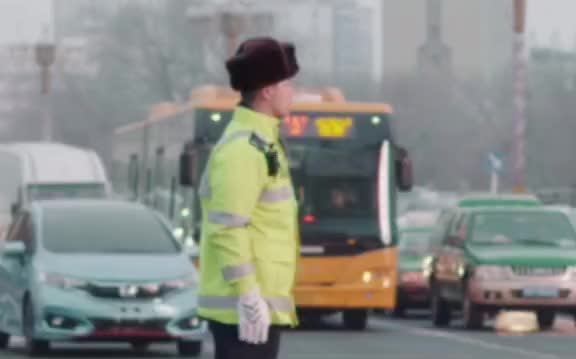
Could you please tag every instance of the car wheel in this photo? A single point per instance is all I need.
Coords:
(4, 340)
(355, 319)
(140, 345)
(441, 311)
(473, 315)
(545, 319)
(189, 348)
(33, 346)
(399, 311)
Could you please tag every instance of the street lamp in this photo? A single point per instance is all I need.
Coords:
(45, 52)
(519, 96)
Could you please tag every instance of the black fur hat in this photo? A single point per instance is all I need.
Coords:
(260, 62)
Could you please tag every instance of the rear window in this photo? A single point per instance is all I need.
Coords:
(68, 190)
(538, 228)
(105, 230)
(416, 243)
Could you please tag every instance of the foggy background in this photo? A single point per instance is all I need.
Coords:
(446, 66)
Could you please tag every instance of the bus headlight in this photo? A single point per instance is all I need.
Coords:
(185, 212)
(376, 277)
(367, 277)
(178, 233)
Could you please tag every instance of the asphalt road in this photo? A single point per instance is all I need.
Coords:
(387, 338)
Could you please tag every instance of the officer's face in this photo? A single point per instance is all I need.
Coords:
(281, 98)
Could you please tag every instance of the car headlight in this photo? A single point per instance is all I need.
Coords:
(427, 262)
(61, 281)
(427, 265)
(491, 272)
(571, 272)
(180, 283)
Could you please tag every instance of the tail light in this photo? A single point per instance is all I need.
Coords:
(309, 218)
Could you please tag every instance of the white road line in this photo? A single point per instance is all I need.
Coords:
(466, 340)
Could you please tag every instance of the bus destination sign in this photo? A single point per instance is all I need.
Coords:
(321, 126)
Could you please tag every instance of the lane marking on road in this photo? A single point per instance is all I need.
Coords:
(442, 334)
(19, 342)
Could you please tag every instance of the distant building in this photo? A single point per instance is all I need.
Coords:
(477, 34)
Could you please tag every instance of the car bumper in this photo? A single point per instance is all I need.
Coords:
(340, 297)
(68, 315)
(413, 289)
(524, 293)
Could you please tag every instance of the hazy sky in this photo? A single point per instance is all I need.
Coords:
(22, 20)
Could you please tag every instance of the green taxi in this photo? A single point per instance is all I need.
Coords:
(508, 257)
(414, 248)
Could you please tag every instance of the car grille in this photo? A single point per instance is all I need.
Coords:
(123, 291)
(108, 325)
(539, 271)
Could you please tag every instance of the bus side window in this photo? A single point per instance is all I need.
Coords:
(159, 180)
(133, 176)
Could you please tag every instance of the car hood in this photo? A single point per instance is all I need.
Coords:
(117, 267)
(532, 256)
(410, 263)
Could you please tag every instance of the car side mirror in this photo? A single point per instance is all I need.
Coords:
(404, 176)
(15, 250)
(188, 166)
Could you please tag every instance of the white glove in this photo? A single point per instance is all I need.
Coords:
(254, 318)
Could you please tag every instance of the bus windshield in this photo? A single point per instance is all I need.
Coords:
(335, 180)
(346, 188)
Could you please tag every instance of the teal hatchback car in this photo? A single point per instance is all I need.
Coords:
(96, 270)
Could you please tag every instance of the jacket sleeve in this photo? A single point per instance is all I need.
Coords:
(237, 177)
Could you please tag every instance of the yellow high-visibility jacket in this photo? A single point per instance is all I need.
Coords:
(249, 221)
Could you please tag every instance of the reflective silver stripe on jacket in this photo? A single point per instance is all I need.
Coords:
(277, 195)
(239, 271)
(231, 302)
(227, 219)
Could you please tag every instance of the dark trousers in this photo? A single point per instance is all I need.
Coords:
(228, 346)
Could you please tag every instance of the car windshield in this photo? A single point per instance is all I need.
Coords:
(68, 190)
(415, 243)
(537, 228)
(99, 229)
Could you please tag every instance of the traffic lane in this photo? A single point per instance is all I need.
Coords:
(557, 343)
(391, 339)
(328, 341)
(102, 351)
(412, 338)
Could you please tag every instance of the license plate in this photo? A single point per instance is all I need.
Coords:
(540, 292)
(124, 330)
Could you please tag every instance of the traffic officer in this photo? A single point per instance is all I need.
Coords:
(249, 213)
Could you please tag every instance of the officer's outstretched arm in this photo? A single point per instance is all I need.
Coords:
(238, 175)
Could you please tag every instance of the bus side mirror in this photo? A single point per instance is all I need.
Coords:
(404, 177)
(14, 208)
(188, 166)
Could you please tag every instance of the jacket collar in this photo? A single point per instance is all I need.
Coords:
(265, 125)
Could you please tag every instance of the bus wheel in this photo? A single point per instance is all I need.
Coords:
(355, 319)
(399, 311)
